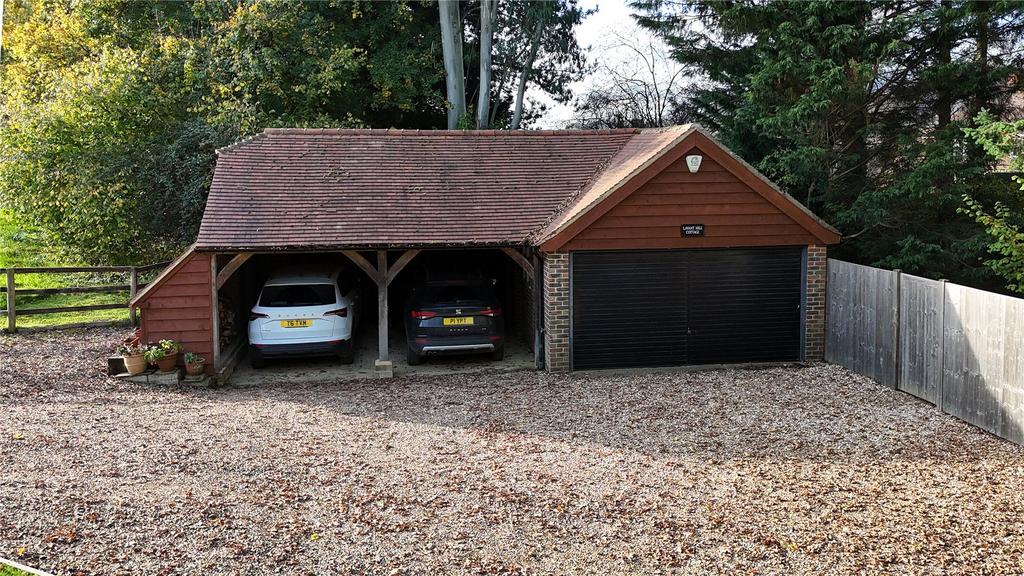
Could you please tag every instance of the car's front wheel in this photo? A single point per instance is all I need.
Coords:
(413, 358)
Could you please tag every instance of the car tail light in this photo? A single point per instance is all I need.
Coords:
(490, 312)
(495, 338)
(422, 314)
(256, 316)
(342, 312)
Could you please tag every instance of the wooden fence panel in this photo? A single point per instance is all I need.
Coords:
(11, 311)
(862, 320)
(921, 333)
(981, 371)
(959, 348)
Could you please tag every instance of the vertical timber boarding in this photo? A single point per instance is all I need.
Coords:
(959, 348)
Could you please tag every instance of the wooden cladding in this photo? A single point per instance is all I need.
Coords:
(733, 213)
(179, 308)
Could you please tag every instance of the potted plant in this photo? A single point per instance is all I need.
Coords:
(134, 356)
(194, 364)
(158, 357)
(170, 358)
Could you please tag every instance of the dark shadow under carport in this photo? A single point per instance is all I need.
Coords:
(518, 356)
(508, 268)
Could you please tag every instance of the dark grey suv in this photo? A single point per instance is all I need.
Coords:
(461, 316)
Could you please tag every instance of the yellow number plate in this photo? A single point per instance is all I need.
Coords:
(465, 321)
(296, 323)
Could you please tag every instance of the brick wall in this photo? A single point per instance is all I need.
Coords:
(556, 311)
(814, 307)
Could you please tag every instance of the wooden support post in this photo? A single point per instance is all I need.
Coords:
(518, 257)
(363, 264)
(231, 267)
(12, 312)
(215, 312)
(382, 306)
(133, 289)
(402, 261)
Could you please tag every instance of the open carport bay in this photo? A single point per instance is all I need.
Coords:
(511, 284)
(518, 356)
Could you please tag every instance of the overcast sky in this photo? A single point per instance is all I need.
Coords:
(611, 15)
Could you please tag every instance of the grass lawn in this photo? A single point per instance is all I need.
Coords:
(8, 570)
(62, 300)
(22, 247)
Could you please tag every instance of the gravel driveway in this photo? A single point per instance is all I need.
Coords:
(780, 471)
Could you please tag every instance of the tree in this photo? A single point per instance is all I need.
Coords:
(1004, 141)
(856, 108)
(451, 43)
(111, 111)
(541, 49)
(636, 85)
(488, 12)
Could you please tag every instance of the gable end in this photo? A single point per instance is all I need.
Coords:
(736, 205)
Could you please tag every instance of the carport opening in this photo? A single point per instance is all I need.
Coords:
(512, 286)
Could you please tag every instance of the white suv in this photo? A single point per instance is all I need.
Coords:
(304, 313)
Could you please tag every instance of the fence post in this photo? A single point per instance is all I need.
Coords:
(133, 288)
(12, 312)
(896, 365)
(939, 400)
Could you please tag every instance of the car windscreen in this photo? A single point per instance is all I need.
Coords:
(454, 293)
(297, 295)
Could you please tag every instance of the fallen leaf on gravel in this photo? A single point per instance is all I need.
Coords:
(802, 470)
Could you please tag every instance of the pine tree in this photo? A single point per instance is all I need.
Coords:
(858, 110)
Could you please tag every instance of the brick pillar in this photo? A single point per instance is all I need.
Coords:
(556, 311)
(814, 305)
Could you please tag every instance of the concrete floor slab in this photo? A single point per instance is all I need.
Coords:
(518, 356)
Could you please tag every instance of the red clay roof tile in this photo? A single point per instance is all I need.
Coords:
(331, 188)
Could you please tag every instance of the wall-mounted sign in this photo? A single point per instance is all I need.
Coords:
(691, 230)
(693, 163)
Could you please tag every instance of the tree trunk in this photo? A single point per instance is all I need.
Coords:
(517, 117)
(451, 45)
(488, 8)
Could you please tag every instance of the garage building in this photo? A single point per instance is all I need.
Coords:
(653, 247)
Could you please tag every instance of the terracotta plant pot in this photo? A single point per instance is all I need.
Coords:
(194, 369)
(135, 364)
(166, 364)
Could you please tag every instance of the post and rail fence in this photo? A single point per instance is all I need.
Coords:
(959, 348)
(12, 312)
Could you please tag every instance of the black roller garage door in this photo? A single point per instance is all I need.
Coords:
(675, 307)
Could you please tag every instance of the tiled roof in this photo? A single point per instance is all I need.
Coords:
(333, 188)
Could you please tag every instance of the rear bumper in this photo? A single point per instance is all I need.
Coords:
(456, 344)
(457, 348)
(307, 349)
